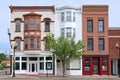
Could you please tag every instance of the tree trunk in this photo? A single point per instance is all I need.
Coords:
(63, 68)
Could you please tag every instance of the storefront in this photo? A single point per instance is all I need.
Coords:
(95, 64)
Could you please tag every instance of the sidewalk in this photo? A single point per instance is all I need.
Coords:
(89, 77)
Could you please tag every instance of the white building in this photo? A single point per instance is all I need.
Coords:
(29, 25)
(68, 23)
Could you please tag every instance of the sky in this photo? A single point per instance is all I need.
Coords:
(5, 18)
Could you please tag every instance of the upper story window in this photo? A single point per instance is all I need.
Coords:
(89, 25)
(100, 25)
(18, 43)
(90, 44)
(62, 16)
(18, 25)
(68, 32)
(62, 31)
(101, 44)
(31, 24)
(68, 16)
(73, 16)
(26, 24)
(37, 24)
(47, 26)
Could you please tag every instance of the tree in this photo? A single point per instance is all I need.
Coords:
(65, 48)
(2, 57)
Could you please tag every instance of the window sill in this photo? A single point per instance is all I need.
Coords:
(46, 31)
(17, 31)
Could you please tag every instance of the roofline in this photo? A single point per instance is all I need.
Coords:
(31, 7)
(113, 28)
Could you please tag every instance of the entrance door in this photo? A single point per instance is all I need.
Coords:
(32, 67)
(96, 69)
(59, 68)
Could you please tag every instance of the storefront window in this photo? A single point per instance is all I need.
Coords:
(24, 66)
(24, 58)
(104, 66)
(95, 59)
(104, 59)
(48, 65)
(41, 58)
(41, 65)
(87, 59)
(17, 66)
(87, 67)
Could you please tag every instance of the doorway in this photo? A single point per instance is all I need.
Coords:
(96, 68)
(32, 67)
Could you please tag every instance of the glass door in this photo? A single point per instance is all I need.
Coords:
(32, 67)
(96, 69)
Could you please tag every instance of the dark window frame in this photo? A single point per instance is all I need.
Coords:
(90, 42)
(90, 25)
(100, 27)
(101, 45)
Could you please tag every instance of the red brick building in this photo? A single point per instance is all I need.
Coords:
(114, 39)
(95, 36)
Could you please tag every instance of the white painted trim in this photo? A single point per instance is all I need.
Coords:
(113, 36)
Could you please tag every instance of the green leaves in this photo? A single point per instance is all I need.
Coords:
(65, 48)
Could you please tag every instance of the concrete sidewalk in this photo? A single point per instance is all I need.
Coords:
(27, 77)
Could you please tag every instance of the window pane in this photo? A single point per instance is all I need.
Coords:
(47, 26)
(62, 16)
(68, 16)
(73, 16)
(68, 32)
(104, 59)
(41, 65)
(87, 67)
(18, 43)
(62, 31)
(17, 66)
(48, 65)
(24, 58)
(17, 58)
(31, 42)
(101, 43)
(48, 58)
(87, 59)
(104, 66)
(31, 24)
(90, 44)
(89, 25)
(101, 25)
(33, 58)
(74, 32)
(95, 59)
(24, 66)
(26, 24)
(37, 43)
(37, 24)
(18, 25)
(26, 43)
(41, 58)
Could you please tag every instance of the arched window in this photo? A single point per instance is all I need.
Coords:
(18, 43)
(18, 25)
(47, 24)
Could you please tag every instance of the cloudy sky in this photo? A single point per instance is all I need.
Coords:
(114, 12)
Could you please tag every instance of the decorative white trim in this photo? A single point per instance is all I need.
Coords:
(113, 36)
